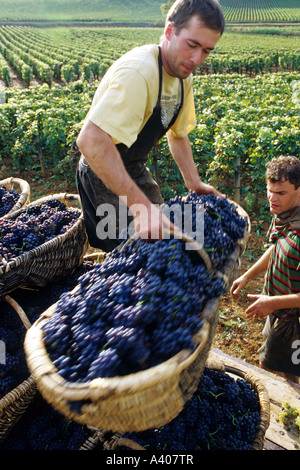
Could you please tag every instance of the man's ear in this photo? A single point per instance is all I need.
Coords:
(169, 30)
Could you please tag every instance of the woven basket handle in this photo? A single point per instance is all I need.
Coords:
(19, 311)
(124, 442)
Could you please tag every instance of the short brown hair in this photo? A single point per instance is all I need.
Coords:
(209, 11)
(284, 168)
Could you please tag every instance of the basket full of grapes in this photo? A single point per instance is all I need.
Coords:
(14, 195)
(41, 242)
(124, 350)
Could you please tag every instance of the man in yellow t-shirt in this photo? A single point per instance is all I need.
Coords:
(145, 94)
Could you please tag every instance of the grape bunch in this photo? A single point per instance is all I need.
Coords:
(289, 415)
(8, 198)
(34, 226)
(138, 308)
(222, 224)
(223, 414)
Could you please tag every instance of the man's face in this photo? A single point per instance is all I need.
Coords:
(282, 196)
(182, 54)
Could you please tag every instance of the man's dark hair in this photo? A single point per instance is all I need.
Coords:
(284, 168)
(209, 12)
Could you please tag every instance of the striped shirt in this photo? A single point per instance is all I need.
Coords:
(283, 273)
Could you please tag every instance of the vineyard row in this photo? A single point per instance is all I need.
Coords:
(34, 55)
(260, 10)
(239, 118)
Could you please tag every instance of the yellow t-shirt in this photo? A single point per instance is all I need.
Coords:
(128, 93)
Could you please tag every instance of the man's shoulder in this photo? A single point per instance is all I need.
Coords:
(142, 59)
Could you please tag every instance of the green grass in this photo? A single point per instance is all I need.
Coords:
(88, 10)
(140, 11)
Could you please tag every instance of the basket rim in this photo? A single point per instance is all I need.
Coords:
(7, 265)
(24, 185)
(23, 195)
(9, 398)
(43, 369)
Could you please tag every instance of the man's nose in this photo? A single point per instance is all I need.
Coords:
(198, 57)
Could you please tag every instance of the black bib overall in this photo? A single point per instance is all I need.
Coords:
(93, 191)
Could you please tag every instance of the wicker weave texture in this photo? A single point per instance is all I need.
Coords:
(14, 404)
(133, 402)
(48, 261)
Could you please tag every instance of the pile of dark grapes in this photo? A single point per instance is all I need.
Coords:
(34, 226)
(41, 427)
(8, 198)
(138, 308)
(222, 224)
(223, 414)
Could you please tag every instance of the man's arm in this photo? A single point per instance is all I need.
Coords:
(258, 268)
(104, 159)
(263, 305)
(181, 151)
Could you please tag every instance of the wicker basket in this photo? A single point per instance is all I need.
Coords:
(48, 261)
(22, 187)
(135, 402)
(16, 402)
(118, 441)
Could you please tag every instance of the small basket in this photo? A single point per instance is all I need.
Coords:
(118, 441)
(48, 261)
(139, 401)
(20, 186)
(15, 403)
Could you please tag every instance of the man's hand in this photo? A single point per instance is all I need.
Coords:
(208, 189)
(261, 307)
(150, 223)
(237, 286)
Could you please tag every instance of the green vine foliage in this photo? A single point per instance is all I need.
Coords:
(41, 120)
(242, 122)
(250, 121)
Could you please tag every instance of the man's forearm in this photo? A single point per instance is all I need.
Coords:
(181, 151)
(281, 302)
(260, 266)
(105, 161)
